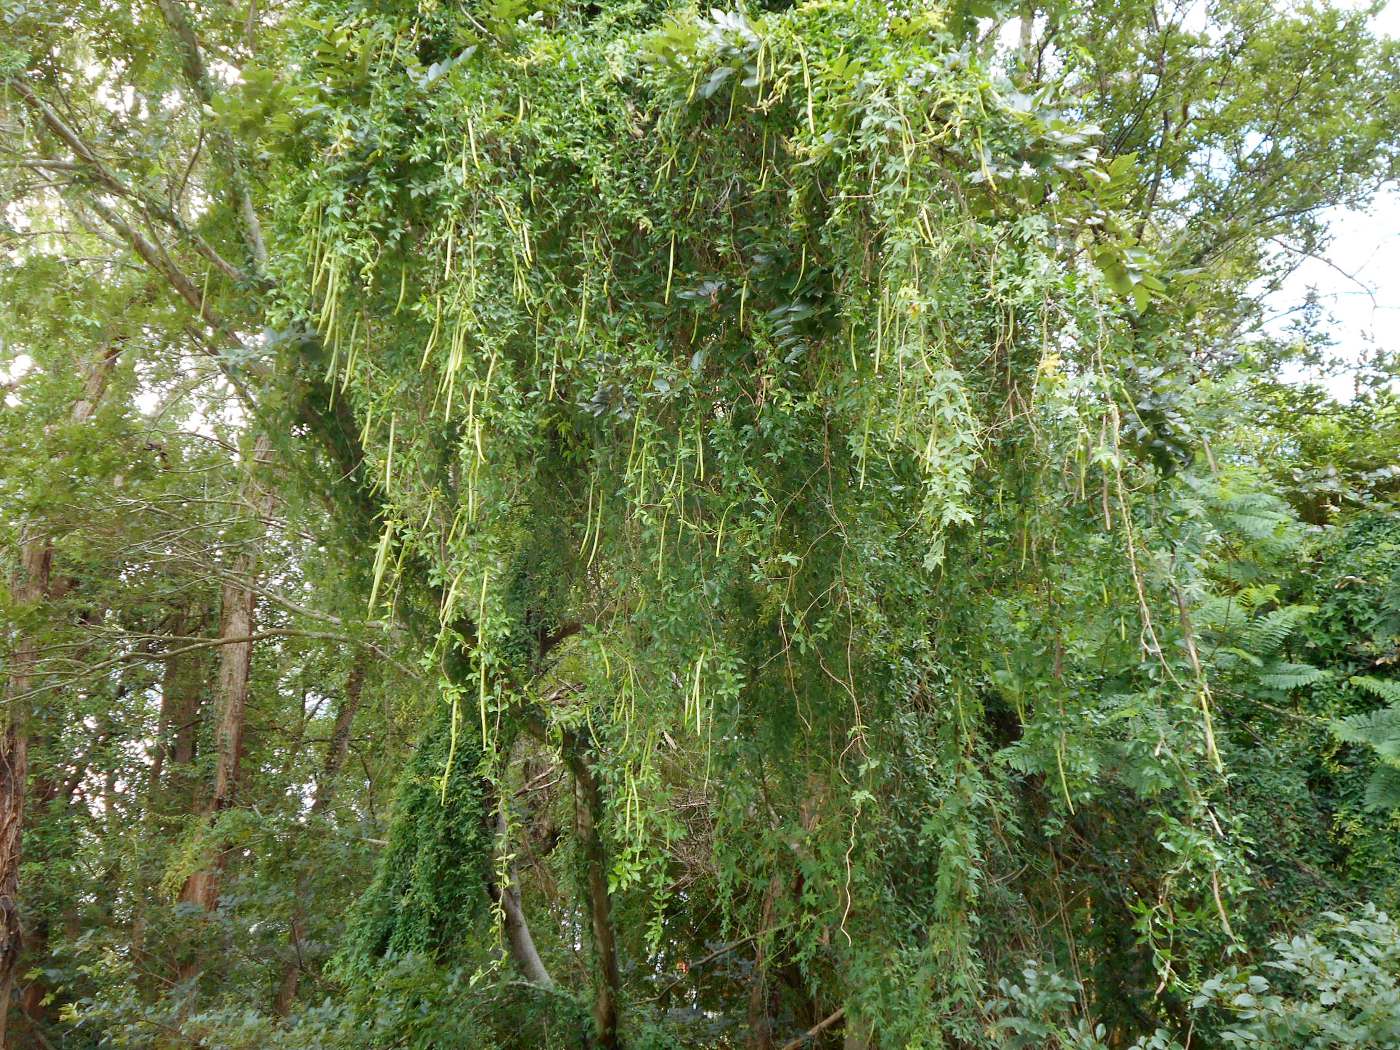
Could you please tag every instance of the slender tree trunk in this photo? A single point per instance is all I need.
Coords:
(171, 698)
(291, 972)
(338, 747)
(237, 620)
(31, 588)
(238, 606)
(519, 940)
(337, 750)
(197, 74)
(607, 980)
(760, 1019)
(35, 1001)
(185, 715)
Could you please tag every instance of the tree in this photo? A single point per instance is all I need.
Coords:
(785, 460)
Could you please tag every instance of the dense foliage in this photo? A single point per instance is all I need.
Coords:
(633, 524)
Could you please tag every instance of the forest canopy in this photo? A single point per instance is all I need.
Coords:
(640, 524)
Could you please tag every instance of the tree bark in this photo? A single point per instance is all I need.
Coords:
(31, 588)
(519, 940)
(173, 698)
(237, 620)
(588, 806)
(760, 1019)
(185, 725)
(35, 561)
(197, 75)
(338, 747)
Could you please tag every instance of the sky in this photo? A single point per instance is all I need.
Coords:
(1364, 301)
(1365, 311)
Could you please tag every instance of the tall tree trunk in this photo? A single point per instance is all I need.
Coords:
(607, 980)
(173, 696)
(760, 1017)
(185, 715)
(197, 75)
(236, 623)
(35, 560)
(169, 788)
(31, 588)
(337, 749)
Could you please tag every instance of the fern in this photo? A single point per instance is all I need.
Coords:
(1222, 613)
(1378, 730)
(1256, 597)
(1265, 635)
(1387, 690)
(1383, 792)
(1256, 516)
(1256, 526)
(1287, 676)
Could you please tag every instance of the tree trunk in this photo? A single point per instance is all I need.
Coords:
(185, 716)
(172, 697)
(589, 814)
(35, 560)
(337, 749)
(236, 621)
(31, 588)
(760, 1018)
(518, 937)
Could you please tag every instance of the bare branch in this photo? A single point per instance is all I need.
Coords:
(109, 180)
(198, 76)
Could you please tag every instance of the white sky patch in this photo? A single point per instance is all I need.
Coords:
(225, 72)
(1358, 283)
(12, 373)
(16, 369)
(148, 401)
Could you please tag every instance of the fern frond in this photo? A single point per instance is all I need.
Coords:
(1387, 690)
(1256, 526)
(1216, 611)
(1255, 515)
(1023, 758)
(1378, 730)
(1258, 596)
(1286, 676)
(1265, 635)
(1242, 572)
(1383, 791)
(1240, 655)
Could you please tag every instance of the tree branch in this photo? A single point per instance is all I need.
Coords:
(198, 76)
(816, 1030)
(109, 180)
